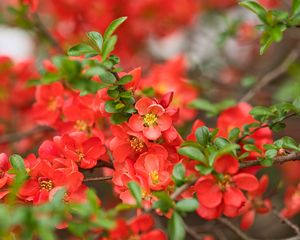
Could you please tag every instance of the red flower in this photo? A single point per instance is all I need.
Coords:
(292, 201)
(49, 100)
(155, 168)
(255, 203)
(44, 180)
(222, 193)
(152, 119)
(5, 178)
(127, 143)
(77, 147)
(141, 227)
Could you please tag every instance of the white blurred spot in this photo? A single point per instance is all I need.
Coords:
(16, 43)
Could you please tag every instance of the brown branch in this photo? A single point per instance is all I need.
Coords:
(270, 76)
(192, 232)
(265, 125)
(277, 160)
(101, 163)
(287, 222)
(234, 229)
(14, 137)
(42, 30)
(94, 179)
(182, 188)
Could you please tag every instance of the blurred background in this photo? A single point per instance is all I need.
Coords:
(205, 50)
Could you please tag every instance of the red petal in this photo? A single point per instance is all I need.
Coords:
(164, 122)
(143, 104)
(226, 164)
(209, 193)
(209, 213)
(246, 181)
(247, 220)
(136, 122)
(152, 133)
(234, 197)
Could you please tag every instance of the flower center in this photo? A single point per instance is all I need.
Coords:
(80, 155)
(224, 182)
(136, 144)
(134, 237)
(80, 125)
(154, 177)
(150, 119)
(52, 105)
(46, 185)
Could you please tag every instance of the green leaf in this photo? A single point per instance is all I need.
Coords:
(203, 169)
(164, 202)
(256, 8)
(81, 49)
(176, 227)
(260, 113)
(278, 126)
(267, 162)
(290, 143)
(187, 205)
(296, 103)
(178, 174)
(234, 134)
(113, 27)
(205, 105)
(96, 39)
(192, 153)
(125, 79)
(105, 76)
(251, 147)
(202, 135)
(109, 46)
(136, 192)
(17, 163)
(295, 7)
(111, 106)
(271, 153)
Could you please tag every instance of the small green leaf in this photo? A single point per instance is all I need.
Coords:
(178, 174)
(125, 79)
(136, 192)
(17, 163)
(204, 170)
(164, 202)
(113, 27)
(81, 49)
(234, 134)
(256, 8)
(187, 205)
(271, 153)
(109, 46)
(176, 227)
(295, 7)
(96, 39)
(192, 153)
(202, 135)
(251, 147)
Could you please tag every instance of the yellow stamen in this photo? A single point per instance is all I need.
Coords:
(150, 119)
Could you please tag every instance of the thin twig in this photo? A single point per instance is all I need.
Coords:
(14, 137)
(270, 76)
(40, 27)
(94, 179)
(287, 222)
(100, 164)
(264, 126)
(181, 189)
(192, 232)
(277, 160)
(234, 229)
